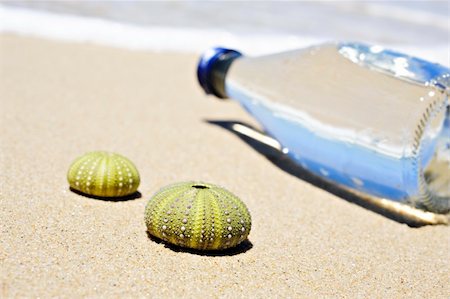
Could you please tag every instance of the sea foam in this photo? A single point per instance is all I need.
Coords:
(82, 29)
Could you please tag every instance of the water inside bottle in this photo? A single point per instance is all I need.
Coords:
(360, 116)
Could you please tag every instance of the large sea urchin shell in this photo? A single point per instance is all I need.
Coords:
(198, 215)
(103, 174)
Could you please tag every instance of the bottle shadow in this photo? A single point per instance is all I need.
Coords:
(132, 196)
(282, 161)
(244, 246)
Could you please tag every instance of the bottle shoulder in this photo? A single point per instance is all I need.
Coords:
(374, 57)
(396, 64)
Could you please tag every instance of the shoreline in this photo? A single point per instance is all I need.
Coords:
(104, 32)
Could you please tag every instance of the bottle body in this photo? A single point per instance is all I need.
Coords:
(361, 117)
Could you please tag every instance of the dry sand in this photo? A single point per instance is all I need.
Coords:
(60, 100)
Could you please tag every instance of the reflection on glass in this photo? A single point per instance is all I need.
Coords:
(361, 116)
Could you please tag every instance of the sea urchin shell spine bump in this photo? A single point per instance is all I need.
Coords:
(103, 174)
(198, 215)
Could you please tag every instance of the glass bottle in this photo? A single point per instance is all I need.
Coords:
(360, 116)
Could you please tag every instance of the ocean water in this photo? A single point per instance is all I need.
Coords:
(419, 28)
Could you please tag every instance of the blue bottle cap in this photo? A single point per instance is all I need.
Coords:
(207, 64)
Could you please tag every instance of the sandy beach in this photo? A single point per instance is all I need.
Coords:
(61, 100)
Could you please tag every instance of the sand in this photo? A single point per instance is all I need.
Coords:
(60, 100)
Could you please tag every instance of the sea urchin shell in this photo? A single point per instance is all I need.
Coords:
(198, 215)
(103, 174)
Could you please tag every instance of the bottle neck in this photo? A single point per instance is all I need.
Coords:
(212, 70)
(219, 72)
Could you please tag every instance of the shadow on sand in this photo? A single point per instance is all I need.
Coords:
(132, 196)
(244, 246)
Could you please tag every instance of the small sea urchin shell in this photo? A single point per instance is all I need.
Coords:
(103, 174)
(198, 215)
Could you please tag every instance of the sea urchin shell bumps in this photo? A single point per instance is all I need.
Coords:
(198, 215)
(103, 174)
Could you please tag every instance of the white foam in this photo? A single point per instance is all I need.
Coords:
(82, 29)
(104, 32)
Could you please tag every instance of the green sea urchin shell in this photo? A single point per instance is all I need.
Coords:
(198, 215)
(103, 174)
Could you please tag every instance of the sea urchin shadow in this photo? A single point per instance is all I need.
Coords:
(132, 196)
(244, 246)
